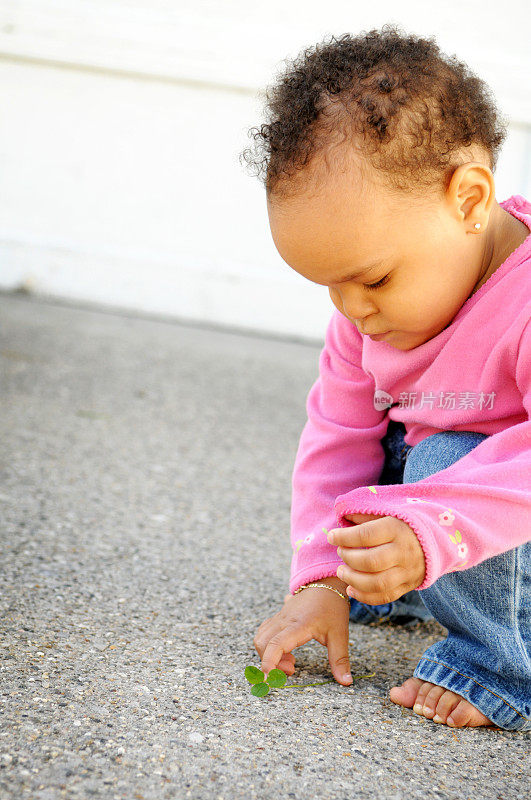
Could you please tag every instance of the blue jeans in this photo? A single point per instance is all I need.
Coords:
(486, 656)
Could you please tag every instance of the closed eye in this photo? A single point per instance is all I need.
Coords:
(377, 285)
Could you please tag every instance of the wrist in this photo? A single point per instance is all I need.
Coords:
(333, 580)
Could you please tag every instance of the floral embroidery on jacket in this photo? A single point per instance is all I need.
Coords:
(462, 548)
(299, 543)
(446, 518)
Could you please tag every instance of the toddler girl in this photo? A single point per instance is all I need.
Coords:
(378, 160)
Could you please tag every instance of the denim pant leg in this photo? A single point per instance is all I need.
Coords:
(486, 657)
(409, 607)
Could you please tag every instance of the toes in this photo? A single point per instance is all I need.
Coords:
(437, 703)
(461, 714)
(448, 701)
(431, 700)
(422, 694)
(405, 695)
(465, 714)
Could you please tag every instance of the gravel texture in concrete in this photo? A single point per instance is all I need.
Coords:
(144, 537)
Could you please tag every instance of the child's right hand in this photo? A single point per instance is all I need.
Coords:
(311, 614)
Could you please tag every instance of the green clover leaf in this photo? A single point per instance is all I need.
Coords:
(254, 675)
(260, 689)
(277, 679)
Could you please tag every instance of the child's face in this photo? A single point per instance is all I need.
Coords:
(430, 263)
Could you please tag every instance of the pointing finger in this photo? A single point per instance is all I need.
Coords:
(338, 656)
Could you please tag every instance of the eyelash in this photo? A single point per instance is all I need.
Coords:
(377, 285)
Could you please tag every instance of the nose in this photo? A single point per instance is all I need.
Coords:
(354, 304)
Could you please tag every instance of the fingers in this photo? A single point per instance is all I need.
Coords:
(375, 588)
(287, 663)
(362, 517)
(368, 534)
(266, 631)
(372, 559)
(288, 658)
(311, 615)
(282, 642)
(338, 655)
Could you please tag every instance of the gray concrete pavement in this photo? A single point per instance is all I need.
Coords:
(144, 509)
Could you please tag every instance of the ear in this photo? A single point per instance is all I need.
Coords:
(471, 195)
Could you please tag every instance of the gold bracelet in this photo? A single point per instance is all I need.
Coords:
(324, 586)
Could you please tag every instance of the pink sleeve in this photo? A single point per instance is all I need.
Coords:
(339, 449)
(474, 509)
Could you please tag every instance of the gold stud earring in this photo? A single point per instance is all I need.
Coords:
(477, 226)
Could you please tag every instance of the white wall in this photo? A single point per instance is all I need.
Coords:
(121, 128)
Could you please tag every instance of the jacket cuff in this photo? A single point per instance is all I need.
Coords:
(314, 573)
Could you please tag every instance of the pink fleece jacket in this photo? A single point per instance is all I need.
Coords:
(475, 375)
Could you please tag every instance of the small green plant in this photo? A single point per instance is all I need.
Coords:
(277, 679)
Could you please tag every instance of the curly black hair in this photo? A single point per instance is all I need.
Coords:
(394, 97)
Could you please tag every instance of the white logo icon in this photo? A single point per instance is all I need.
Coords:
(382, 400)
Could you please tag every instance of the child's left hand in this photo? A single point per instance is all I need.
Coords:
(393, 565)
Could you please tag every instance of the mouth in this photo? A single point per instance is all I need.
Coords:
(377, 336)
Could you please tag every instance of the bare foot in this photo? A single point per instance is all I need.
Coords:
(438, 704)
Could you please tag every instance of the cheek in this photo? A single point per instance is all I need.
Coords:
(429, 312)
(410, 308)
(335, 298)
